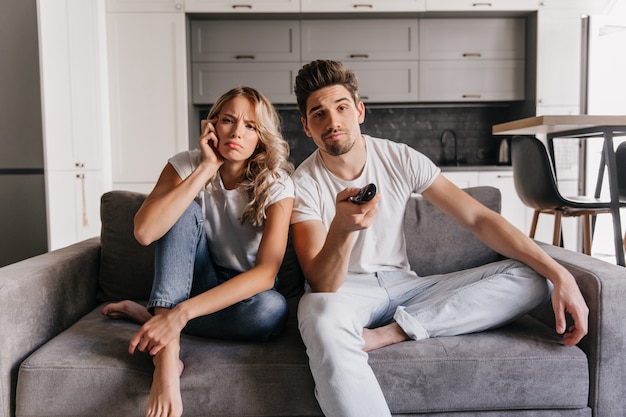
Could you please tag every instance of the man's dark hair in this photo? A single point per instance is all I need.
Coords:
(323, 73)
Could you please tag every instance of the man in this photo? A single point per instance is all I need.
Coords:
(361, 293)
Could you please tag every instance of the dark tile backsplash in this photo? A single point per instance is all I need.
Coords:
(420, 127)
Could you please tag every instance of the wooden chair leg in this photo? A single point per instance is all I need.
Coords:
(556, 238)
(533, 226)
(587, 234)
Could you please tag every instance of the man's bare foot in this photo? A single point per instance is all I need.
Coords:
(165, 398)
(383, 336)
(127, 310)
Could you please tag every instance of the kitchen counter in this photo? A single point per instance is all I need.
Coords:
(461, 168)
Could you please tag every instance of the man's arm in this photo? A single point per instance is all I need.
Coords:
(497, 233)
(324, 254)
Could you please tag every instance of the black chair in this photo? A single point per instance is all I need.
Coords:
(620, 157)
(535, 183)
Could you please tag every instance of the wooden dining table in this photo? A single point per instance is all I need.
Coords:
(581, 127)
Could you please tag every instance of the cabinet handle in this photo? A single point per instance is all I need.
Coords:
(79, 165)
(354, 56)
(244, 57)
(482, 4)
(471, 95)
(242, 6)
(81, 177)
(367, 6)
(472, 55)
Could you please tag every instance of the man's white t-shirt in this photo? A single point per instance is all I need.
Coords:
(232, 244)
(397, 170)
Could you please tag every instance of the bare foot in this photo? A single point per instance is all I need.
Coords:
(383, 336)
(127, 310)
(165, 399)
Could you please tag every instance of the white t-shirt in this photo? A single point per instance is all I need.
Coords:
(232, 244)
(397, 170)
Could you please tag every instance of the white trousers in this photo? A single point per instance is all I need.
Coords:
(463, 302)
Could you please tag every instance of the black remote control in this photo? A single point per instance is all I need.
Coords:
(365, 194)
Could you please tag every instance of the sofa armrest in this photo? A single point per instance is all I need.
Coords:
(39, 298)
(603, 286)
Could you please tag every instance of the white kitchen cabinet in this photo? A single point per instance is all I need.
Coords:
(512, 207)
(485, 80)
(386, 81)
(73, 199)
(382, 52)
(481, 6)
(145, 5)
(274, 80)
(587, 6)
(246, 6)
(491, 38)
(558, 58)
(487, 66)
(75, 116)
(558, 71)
(73, 84)
(368, 40)
(148, 94)
(372, 6)
(254, 41)
(462, 179)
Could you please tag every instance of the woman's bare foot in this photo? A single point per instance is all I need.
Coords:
(127, 310)
(165, 399)
(383, 336)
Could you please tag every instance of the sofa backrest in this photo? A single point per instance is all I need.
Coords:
(435, 244)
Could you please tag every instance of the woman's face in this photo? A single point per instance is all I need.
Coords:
(236, 129)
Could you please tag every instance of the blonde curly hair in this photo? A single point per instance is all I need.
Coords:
(268, 161)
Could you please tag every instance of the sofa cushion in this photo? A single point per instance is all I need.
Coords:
(127, 268)
(438, 245)
(87, 371)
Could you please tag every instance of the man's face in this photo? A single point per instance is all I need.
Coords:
(333, 119)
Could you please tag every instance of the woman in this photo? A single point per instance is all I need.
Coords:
(219, 216)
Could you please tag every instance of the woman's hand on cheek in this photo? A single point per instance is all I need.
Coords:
(208, 143)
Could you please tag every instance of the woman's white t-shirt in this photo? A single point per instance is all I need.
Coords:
(232, 244)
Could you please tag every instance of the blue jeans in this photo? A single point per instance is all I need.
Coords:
(184, 268)
(467, 301)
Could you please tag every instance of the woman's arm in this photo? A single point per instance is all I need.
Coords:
(171, 195)
(161, 329)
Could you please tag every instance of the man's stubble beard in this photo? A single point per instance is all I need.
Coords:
(337, 149)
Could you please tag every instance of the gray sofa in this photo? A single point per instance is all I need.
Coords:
(60, 357)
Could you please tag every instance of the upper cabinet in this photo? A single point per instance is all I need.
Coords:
(395, 59)
(480, 5)
(487, 66)
(368, 40)
(245, 6)
(145, 6)
(373, 6)
(447, 39)
(254, 41)
(559, 59)
(262, 53)
(382, 52)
